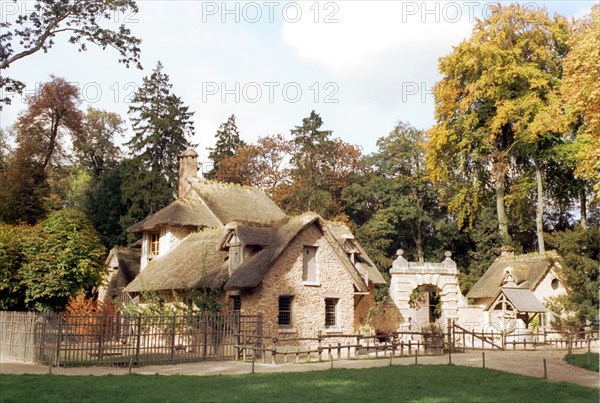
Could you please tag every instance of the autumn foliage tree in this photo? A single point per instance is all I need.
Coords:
(581, 93)
(491, 103)
(51, 117)
(264, 164)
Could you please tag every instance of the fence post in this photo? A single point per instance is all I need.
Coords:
(545, 370)
(100, 341)
(259, 332)
(483, 358)
(204, 335)
(138, 339)
(319, 349)
(58, 339)
(570, 347)
(173, 337)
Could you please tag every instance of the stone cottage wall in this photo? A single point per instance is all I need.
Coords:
(308, 301)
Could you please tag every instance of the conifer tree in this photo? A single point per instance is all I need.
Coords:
(162, 126)
(228, 142)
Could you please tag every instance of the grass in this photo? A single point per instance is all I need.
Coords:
(442, 383)
(581, 360)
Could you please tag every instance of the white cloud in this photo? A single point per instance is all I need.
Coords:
(370, 34)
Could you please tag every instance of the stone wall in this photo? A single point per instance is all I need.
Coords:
(308, 301)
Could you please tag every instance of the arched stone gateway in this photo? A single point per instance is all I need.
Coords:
(406, 276)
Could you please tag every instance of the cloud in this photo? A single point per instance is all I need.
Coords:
(369, 35)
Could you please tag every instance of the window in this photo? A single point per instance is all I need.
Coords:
(285, 311)
(236, 300)
(554, 283)
(154, 242)
(309, 264)
(331, 312)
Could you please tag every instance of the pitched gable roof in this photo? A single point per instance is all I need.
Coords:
(528, 271)
(196, 262)
(236, 203)
(126, 262)
(275, 239)
(184, 212)
(522, 299)
(363, 262)
(212, 204)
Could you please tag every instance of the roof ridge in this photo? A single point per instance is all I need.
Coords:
(228, 185)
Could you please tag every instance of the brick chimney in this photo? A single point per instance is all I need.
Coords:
(188, 167)
(507, 251)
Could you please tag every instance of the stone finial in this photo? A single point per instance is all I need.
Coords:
(400, 261)
(448, 254)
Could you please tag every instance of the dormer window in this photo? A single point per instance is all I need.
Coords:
(153, 244)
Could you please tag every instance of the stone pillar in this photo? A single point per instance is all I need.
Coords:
(188, 167)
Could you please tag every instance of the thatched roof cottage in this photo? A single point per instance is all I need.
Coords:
(302, 273)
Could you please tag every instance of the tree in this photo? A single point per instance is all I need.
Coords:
(104, 205)
(321, 168)
(52, 114)
(44, 265)
(396, 201)
(24, 187)
(489, 101)
(162, 126)
(12, 292)
(581, 93)
(264, 164)
(579, 250)
(308, 160)
(5, 151)
(228, 143)
(94, 145)
(82, 20)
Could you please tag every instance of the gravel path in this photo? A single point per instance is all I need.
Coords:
(519, 362)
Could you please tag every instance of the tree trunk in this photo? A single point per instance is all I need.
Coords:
(419, 243)
(583, 208)
(539, 212)
(501, 208)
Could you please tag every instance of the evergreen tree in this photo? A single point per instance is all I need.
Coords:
(310, 143)
(162, 126)
(228, 143)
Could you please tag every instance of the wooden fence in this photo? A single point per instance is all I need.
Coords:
(521, 339)
(343, 346)
(57, 339)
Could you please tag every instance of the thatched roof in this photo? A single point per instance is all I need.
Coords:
(528, 271)
(196, 262)
(126, 263)
(230, 202)
(522, 299)
(213, 205)
(364, 263)
(274, 239)
(181, 213)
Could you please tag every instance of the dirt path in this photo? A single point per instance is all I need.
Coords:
(519, 362)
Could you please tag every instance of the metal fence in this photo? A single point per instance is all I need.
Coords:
(58, 339)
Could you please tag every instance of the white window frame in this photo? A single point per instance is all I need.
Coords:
(307, 278)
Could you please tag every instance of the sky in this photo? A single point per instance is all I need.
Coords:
(362, 65)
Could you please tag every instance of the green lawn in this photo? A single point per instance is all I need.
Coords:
(581, 360)
(399, 383)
